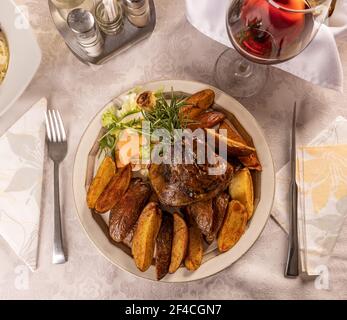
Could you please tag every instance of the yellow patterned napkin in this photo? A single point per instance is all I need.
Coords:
(21, 172)
(322, 201)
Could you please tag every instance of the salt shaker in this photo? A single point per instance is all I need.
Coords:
(138, 12)
(82, 23)
(64, 7)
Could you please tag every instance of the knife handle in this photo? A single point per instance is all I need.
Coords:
(292, 267)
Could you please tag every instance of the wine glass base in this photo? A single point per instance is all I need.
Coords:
(238, 76)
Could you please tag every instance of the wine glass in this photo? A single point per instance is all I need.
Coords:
(265, 32)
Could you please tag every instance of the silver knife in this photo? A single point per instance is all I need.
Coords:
(292, 267)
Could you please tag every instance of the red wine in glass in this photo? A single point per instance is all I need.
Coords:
(270, 31)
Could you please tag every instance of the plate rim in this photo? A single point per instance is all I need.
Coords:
(162, 83)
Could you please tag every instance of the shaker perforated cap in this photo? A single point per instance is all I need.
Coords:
(80, 21)
(135, 4)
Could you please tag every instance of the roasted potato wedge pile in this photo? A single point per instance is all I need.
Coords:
(168, 234)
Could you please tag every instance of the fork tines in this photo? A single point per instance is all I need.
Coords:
(55, 127)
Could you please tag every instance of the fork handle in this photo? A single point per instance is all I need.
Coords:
(58, 249)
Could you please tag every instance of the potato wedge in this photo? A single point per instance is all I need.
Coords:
(202, 213)
(124, 215)
(103, 176)
(195, 248)
(197, 103)
(220, 206)
(207, 120)
(114, 190)
(179, 242)
(146, 232)
(232, 133)
(202, 99)
(164, 246)
(250, 161)
(233, 227)
(241, 189)
(190, 112)
(234, 147)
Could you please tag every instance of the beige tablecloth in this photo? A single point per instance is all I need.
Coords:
(177, 51)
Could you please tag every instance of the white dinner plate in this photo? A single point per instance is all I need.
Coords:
(25, 54)
(212, 262)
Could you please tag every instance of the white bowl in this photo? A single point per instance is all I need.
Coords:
(212, 262)
(25, 54)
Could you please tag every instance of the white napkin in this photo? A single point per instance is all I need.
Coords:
(21, 171)
(322, 201)
(319, 63)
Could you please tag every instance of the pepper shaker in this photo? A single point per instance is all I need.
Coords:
(138, 12)
(82, 24)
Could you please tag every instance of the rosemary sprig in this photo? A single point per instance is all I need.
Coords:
(166, 115)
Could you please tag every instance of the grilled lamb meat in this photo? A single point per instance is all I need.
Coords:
(202, 213)
(180, 185)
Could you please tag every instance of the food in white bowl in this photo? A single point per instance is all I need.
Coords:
(152, 203)
(96, 225)
(21, 54)
(4, 56)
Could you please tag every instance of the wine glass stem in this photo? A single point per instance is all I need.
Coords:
(238, 76)
(243, 68)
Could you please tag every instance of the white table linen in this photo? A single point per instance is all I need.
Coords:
(176, 50)
(21, 173)
(322, 195)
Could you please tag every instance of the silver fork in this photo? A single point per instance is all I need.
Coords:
(57, 149)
